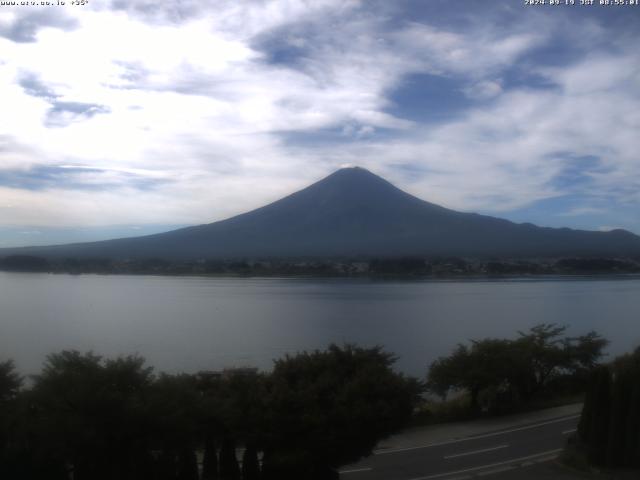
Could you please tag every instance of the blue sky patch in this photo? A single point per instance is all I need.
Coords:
(429, 98)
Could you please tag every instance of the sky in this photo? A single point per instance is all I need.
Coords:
(121, 118)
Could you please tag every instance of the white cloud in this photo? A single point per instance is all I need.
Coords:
(484, 90)
(606, 228)
(579, 211)
(476, 53)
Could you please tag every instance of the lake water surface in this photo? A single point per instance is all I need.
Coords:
(194, 323)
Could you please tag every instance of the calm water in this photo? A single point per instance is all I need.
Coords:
(188, 324)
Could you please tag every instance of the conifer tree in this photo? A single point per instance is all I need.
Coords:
(620, 400)
(586, 418)
(210, 460)
(229, 468)
(167, 467)
(250, 465)
(187, 465)
(599, 428)
(632, 436)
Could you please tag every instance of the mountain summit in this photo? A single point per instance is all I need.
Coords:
(353, 212)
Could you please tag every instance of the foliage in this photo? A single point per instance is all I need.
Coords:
(10, 384)
(399, 266)
(210, 460)
(250, 463)
(94, 413)
(10, 381)
(505, 373)
(331, 408)
(108, 419)
(610, 423)
(24, 263)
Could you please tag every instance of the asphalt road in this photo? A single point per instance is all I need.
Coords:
(468, 457)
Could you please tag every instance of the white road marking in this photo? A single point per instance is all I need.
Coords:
(493, 471)
(491, 449)
(551, 454)
(355, 470)
(546, 459)
(466, 439)
(567, 432)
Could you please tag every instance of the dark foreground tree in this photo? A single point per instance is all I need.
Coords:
(173, 406)
(229, 468)
(90, 415)
(485, 364)
(187, 465)
(599, 422)
(250, 464)
(609, 428)
(210, 459)
(10, 383)
(94, 419)
(329, 408)
(510, 372)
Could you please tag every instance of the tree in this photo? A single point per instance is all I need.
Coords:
(24, 263)
(250, 464)
(487, 363)
(609, 427)
(544, 353)
(329, 408)
(450, 372)
(233, 411)
(10, 381)
(10, 384)
(174, 406)
(515, 371)
(632, 436)
(90, 414)
(229, 468)
(187, 464)
(599, 428)
(210, 460)
(620, 411)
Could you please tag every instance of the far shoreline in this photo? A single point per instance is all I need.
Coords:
(354, 278)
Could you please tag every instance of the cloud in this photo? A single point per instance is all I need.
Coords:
(527, 145)
(607, 228)
(484, 90)
(580, 211)
(33, 86)
(477, 53)
(225, 98)
(75, 177)
(62, 114)
(22, 25)
(14, 154)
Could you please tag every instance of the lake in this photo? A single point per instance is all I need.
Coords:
(199, 323)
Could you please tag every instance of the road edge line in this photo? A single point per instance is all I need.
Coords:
(476, 437)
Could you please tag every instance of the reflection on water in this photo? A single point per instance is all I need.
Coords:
(188, 324)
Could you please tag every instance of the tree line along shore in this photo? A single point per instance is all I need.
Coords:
(360, 267)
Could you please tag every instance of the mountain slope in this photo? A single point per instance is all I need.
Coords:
(353, 212)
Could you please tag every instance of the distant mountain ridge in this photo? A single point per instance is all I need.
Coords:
(351, 213)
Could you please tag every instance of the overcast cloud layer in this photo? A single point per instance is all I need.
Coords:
(145, 114)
